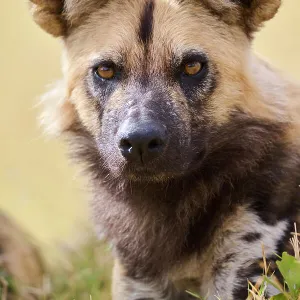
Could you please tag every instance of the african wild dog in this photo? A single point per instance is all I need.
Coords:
(191, 142)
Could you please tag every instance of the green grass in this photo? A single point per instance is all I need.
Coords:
(289, 267)
(81, 273)
(6, 284)
(84, 273)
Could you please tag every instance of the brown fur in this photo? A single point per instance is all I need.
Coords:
(229, 178)
(20, 260)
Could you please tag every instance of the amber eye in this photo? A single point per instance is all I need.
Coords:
(105, 71)
(192, 68)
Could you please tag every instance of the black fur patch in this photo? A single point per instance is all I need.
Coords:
(246, 3)
(241, 292)
(248, 151)
(251, 237)
(220, 263)
(201, 85)
(146, 25)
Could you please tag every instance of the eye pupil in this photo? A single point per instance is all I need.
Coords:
(192, 68)
(105, 72)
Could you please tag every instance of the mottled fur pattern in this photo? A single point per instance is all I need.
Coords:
(228, 179)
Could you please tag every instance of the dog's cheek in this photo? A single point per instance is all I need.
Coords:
(106, 139)
(88, 109)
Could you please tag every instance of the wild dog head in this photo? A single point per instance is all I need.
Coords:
(156, 82)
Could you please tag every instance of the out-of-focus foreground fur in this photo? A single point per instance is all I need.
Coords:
(190, 142)
(20, 261)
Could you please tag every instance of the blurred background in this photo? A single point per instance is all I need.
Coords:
(38, 187)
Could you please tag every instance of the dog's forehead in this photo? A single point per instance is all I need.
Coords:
(158, 28)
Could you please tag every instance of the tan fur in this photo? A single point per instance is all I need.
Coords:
(239, 224)
(149, 230)
(234, 61)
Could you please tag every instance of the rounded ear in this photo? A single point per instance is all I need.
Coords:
(48, 14)
(257, 12)
(58, 16)
(249, 14)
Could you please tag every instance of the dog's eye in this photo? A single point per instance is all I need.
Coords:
(192, 68)
(105, 71)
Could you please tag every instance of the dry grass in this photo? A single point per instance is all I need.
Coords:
(287, 265)
(84, 273)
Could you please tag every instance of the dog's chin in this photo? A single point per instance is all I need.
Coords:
(154, 177)
(161, 170)
(149, 174)
(156, 171)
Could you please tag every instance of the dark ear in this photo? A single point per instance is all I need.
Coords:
(48, 14)
(249, 14)
(57, 17)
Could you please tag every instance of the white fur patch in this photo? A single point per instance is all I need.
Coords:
(245, 253)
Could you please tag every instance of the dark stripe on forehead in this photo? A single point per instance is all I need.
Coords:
(146, 25)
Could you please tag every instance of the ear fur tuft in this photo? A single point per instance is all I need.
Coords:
(248, 14)
(57, 17)
(48, 15)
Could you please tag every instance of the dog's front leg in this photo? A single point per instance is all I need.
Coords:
(126, 288)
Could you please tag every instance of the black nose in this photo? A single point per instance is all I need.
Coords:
(142, 142)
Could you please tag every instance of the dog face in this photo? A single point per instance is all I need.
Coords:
(152, 80)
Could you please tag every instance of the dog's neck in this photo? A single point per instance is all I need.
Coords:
(139, 218)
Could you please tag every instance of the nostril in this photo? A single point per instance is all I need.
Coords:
(141, 143)
(155, 144)
(125, 144)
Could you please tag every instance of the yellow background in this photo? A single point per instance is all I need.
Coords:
(37, 184)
